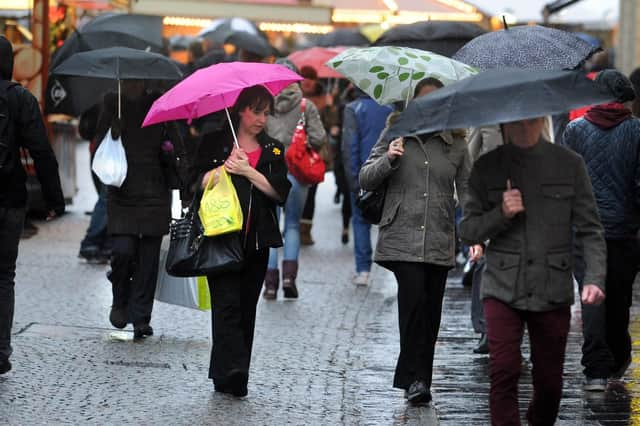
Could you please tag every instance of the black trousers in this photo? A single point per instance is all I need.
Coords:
(607, 343)
(134, 274)
(310, 204)
(234, 297)
(420, 292)
(11, 223)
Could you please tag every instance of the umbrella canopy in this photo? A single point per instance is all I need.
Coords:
(119, 63)
(343, 37)
(527, 46)
(389, 74)
(498, 96)
(442, 37)
(82, 80)
(221, 29)
(251, 43)
(316, 57)
(215, 88)
(110, 30)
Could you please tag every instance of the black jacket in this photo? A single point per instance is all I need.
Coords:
(263, 229)
(612, 157)
(28, 131)
(142, 205)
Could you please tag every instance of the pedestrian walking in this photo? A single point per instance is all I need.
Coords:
(138, 212)
(363, 122)
(608, 139)
(524, 198)
(259, 175)
(289, 106)
(21, 126)
(416, 238)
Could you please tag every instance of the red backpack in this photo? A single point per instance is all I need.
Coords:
(304, 163)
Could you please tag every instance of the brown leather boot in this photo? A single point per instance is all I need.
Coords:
(305, 234)
(271, 282)
(289, 274)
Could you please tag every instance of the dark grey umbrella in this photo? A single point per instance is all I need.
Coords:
(527, 46)
(342, 37)
(222, 28)
(441, 37)
(251, 43)
(88, 76)
(498, 96)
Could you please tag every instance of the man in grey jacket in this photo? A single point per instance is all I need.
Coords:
(525, 198)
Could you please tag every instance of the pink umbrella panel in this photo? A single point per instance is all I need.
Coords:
(216, 88)
(316, 57)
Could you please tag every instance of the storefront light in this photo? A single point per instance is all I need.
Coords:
(460, 5)
(16, 4)
(295, 28)
(179, 21)
(359, 16)
(391, 5)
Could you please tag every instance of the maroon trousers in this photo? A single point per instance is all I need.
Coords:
(548, 339)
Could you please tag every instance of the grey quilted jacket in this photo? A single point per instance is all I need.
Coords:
(418, 219)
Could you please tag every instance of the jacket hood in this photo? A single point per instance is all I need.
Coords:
(288, 99)
(6, 59)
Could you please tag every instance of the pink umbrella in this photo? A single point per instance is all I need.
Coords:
(315, 57)
(215, 88)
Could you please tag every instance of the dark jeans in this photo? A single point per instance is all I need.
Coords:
(234, 297)
(607, 343)
(134, 274)
(96, 235)
(477, 311)
(310, 204)
(548, 339)
(420, 292)
(11, 222)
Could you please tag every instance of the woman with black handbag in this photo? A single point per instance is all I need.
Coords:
(259, 175)
(416, 237)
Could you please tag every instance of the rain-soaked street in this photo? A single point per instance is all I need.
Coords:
(327, 358)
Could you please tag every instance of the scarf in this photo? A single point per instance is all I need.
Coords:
(607, 116)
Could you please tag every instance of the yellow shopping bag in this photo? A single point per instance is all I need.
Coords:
(220, 211)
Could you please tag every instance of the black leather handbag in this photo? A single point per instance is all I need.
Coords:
(371, 204)
(192, 254)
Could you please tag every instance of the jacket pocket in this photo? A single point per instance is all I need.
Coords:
(558, 199)
(559, 287)
(500, 277)
(389, 213)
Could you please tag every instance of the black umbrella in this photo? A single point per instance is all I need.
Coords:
(251, 43)
(89, 75)
(222, 28)
(527, 46)
(442, 37)
(342, 37)
(498, 96)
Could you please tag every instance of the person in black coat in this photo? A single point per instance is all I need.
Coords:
(139, 211)
(259, 175)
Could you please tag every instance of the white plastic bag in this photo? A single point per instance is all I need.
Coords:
(190, 292)
(110, 161)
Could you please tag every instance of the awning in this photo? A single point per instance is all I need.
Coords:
(277, 10)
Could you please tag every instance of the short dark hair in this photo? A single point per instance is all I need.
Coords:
(429, 81)
(255, 97)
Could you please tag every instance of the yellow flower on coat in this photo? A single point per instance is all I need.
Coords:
(276, 151)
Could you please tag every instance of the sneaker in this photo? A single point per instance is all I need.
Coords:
(418, 393)
(5, 366)
(595, 384)
(361, 278)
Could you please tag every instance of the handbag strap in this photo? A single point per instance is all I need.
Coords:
(303, 107)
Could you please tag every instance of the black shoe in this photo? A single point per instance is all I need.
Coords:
(5, 366)
(336, 198)
(142, 330)
(237, 383)
(118, 317)
(483, 345)
(418, 393)
(345, 236)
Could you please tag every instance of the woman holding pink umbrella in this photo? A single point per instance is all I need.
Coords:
(259, 175)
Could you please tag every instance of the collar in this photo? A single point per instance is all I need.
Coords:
(446, 136)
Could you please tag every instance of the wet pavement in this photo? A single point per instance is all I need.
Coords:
(327, 358)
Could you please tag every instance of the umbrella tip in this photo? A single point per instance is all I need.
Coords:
(504, 22)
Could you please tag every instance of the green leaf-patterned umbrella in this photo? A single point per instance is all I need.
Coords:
(389, 74)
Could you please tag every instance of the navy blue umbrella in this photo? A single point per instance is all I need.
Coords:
(527, 46)
(498, 96)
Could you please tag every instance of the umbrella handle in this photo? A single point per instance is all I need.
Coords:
(119, 100)
(233, 131)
